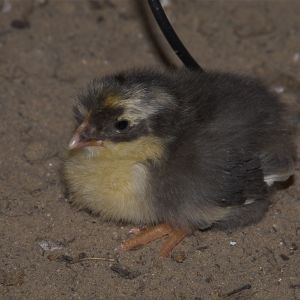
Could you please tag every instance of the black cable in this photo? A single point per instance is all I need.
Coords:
(171, 36)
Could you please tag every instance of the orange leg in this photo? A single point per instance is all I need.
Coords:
(175, 237)
(152, 234)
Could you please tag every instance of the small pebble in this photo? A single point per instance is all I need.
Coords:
(284, 257)
(82, 255)
(124, 272)
(100, 19)
(296, 57)
(208, 279)
(165, 3)
(50, 245)
(202, 248)
(278, 89)
(20, 24)
(293, 246)
(60, 258)
(7, 6)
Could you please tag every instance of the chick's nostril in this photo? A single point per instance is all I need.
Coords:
(88, 134)
(84, 135)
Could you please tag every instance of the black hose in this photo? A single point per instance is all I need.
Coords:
(171, 36)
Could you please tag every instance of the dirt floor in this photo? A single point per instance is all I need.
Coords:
(49, 50)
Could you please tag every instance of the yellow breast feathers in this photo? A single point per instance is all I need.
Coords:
(113, 181)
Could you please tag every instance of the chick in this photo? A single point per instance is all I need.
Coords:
(178, 150)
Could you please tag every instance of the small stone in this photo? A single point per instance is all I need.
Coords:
(165, 3)
(7, 6)
(278, 89)
(202, 248)
(82, 255)
(20, 24)
(100, 19)
(50, 245)
(293, 246)
(65, 258)
(178, 256)
(296, 57)
(61, 258)
(208, 279)
(284, 257)
(124, 272)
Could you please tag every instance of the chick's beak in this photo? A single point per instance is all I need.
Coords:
(83, 138)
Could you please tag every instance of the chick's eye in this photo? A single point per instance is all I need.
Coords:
(121, 125)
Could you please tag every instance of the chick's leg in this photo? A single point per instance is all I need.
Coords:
(175, 237)
(146, 236)
(157, 232)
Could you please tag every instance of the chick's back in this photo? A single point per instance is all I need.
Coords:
(229, 141)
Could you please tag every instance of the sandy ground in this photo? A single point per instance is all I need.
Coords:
(49, 50)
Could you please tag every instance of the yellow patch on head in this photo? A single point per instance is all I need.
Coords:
(114, 181)
(112, 101)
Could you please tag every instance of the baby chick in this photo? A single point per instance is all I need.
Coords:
(178, 150)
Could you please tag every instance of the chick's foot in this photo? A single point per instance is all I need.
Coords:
(175, 236)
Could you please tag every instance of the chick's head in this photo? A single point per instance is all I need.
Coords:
(133, 109)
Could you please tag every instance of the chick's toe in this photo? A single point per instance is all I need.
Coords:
(175, 236)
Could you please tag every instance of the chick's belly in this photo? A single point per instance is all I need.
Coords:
(116, 190)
